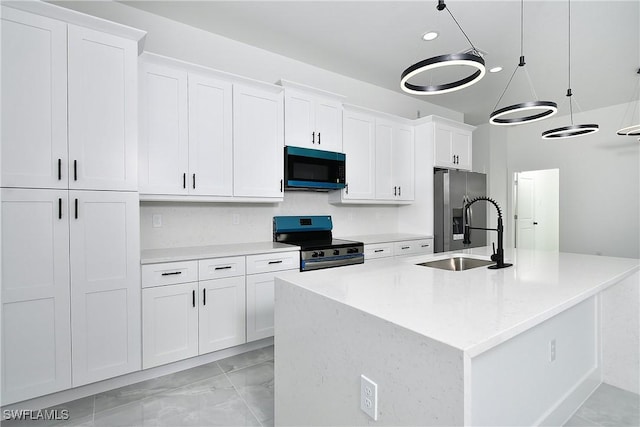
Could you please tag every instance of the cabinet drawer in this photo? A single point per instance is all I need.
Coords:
(265, 263)
(169, 273)
(424, 246)
(217, 268)
(413, 247)
(378, 250)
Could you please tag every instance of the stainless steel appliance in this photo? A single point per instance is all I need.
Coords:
(452, 190)
(319, 248)
(308, 169)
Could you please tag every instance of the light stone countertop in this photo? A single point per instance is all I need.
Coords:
(472, 310)
(371, 239)
(153, 256)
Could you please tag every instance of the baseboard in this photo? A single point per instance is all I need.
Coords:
(134, 377)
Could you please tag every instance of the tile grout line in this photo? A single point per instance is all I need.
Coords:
(240, 394)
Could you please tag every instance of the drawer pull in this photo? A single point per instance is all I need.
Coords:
(226, 267)
(204, 296)
(405, 247)
(173, 273)
(378, 250)
(424, 246)
(193, 298)
(276, 262)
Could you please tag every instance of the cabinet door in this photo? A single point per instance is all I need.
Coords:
(169, 323)
(258, 142)
(36, 335)
(34, 100)
(359, 146)
(461, 147)
(260, 302)
(210, 137)
(443, 150)
(105, 284)
(328, 115)
(103, 111)
(164, 137)
(403, 162)
(386, 186)
(299, 122)
(222, 313)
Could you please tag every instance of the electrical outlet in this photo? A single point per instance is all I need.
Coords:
(552, 350)
(235, 219)
(156, 220)
(369, 397)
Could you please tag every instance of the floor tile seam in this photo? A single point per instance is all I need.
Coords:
(243, 399)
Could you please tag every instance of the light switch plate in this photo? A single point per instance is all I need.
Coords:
(156, 220)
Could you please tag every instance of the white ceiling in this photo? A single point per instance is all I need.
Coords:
(375, 41)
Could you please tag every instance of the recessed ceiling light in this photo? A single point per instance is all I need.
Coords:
(495, 69)
(430, 35)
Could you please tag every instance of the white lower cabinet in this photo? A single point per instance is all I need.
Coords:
(183, 317)
(397, 249)
(83, 292)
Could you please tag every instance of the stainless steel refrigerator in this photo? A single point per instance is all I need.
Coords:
(452, 190)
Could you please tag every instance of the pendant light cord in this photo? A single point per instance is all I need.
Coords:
(477, 52)
(569, 94)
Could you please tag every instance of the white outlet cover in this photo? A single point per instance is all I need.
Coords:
(156, 220)
(369, 397)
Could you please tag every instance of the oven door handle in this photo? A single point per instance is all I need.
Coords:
(314, 265)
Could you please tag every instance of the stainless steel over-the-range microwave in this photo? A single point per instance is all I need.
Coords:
(305, 168)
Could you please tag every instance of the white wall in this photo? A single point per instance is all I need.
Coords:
(599, 179)
(187, 224)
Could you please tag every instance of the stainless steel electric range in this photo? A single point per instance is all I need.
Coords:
(318, 247)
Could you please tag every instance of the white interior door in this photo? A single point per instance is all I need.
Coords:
(525, 233)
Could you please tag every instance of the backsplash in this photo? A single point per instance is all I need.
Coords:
(200, 224)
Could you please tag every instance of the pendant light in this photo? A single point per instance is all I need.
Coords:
(571, 130)
(633, 130)
(472, 60)
(525, 112)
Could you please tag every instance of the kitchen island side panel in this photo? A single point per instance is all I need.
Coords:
(321, 349)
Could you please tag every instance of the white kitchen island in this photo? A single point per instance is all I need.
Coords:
(523, 345)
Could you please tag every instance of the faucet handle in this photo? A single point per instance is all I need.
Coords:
(494, 257)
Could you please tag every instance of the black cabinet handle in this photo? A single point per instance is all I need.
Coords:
(399, 191)
(535, 223)
(76, 208)
(378, 250)
(204, 296)
(395, 191)
(173, 273)
(226, 267)
(194, 180)
(75, 170)
(405, 247)
(184, 180)
(281, 183)
(319, 138)
(313, 137)
(60, 208)
(346, 188)
(59, 169)
(276, 262)
(193, 298)
(424, 246)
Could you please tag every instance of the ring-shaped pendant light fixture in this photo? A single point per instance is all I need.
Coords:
(572, 130)
(470, 60)
(524, 112)
(633, 130)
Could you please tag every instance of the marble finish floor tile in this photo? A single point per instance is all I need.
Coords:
(244, 360)
(577, 421)
(131, 393)
(255, 385)
(611, 406)
(80, 411)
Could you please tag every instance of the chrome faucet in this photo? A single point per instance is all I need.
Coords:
(498, 256)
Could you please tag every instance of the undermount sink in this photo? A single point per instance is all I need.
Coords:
(456, 263)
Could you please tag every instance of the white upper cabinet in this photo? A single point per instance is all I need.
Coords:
(34, 101)
(73, 116)
(452, 144)
(313, 118)
(380, 159)
(258, 142)
(103, 111)
(164, 131)
(185, 131)
(210, 136)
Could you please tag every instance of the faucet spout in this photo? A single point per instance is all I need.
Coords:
(498, 256)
